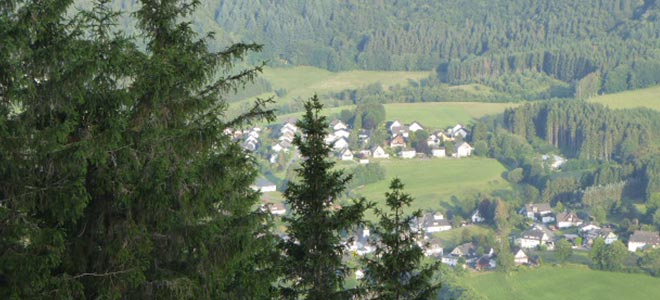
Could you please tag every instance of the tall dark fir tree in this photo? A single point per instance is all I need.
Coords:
(116, 179)
(396, 271)
(313, 251)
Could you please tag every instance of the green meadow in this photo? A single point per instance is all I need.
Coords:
(648, 97)
(432, 182)
(443, 114)
(567, 282)
(435, 115)
(301, 82)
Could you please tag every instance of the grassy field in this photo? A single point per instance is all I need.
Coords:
(302, 82)
(649, 97)
(433, 181)
(443, 114)
(436, 115)
(565, 282)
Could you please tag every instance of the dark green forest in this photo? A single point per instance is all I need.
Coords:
(615, 41)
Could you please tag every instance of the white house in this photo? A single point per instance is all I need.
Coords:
(476, 217)
(520, 258)
(463, 150)
(433, 248)
(288, 127)
(264, 185)
(568, 219)
(337, 125)
(458, 130)
(379, 152)
(435, 223)
(408, 153)
(340, 144)
(329, 138)
(342, 133)
(642, 240)
(538, 211)
(394, 124)
(438, 152)
(346, 155)
(533, 238)
(276, 209)
(415, 126)
(277, 147)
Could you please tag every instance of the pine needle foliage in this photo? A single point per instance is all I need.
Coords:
(396, 270)
(116, 179)
(313, 251)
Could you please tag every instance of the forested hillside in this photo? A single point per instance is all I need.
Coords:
(616, 41)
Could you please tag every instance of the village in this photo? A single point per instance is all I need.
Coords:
(545, 226)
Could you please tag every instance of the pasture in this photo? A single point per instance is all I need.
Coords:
(648, 97)
(432, 182)
(564, 282)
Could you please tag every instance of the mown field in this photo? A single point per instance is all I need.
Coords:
(302, 82)
(435, 115)
(566, 282)
(432, 182)
(648, 97)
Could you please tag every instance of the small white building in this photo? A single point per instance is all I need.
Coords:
(264, 185)
(642, 240)
(346, 155)
(395, 124)
(415, 126)
(379, 152)
(438, 152)
(533, 238)
(476, 217)
(276, 209)
(408, 153)
(340, 144)
(463, 150)
(520, 257)
(342, 133)
(568, 219)
(338, 125)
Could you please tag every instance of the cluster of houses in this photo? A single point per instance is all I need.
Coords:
(399, 139)
(249, 138)
(587, 232)
(285, 137)
(398, 142)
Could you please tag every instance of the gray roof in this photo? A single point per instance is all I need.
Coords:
(533, 234)
(646, 237)
(568, 217)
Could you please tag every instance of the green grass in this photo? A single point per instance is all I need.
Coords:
(648, 97)
(564, 282)
(439, 115)
(435, 115)
(433, 181)
(452, 238)
(302, 82)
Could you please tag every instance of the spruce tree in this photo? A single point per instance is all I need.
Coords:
(396, 270)
(116, 179)
(313, 251)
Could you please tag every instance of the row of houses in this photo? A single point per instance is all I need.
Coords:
(589, 232)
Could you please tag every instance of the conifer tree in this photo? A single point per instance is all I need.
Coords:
(395, 272)
(313, 251)
(116, 179)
